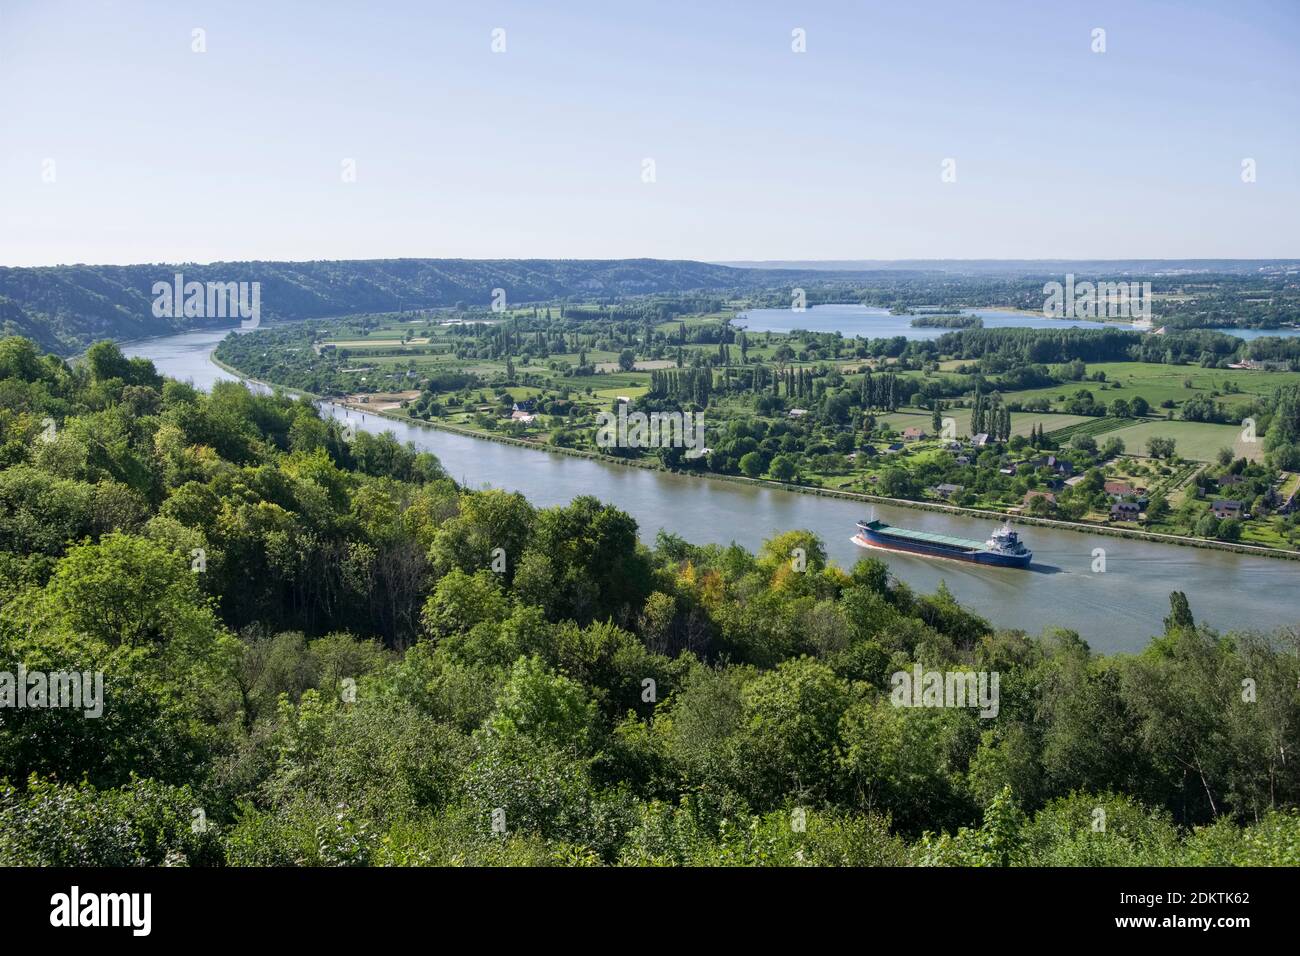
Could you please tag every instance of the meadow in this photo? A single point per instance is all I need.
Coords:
(1198, 441)
(1021, 422)
(1161, 383)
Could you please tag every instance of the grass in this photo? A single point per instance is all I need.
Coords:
(1160, 383)
(1197, 441)
(632, 391)
(1090, 426)
(1290, 484)
(1021, 422)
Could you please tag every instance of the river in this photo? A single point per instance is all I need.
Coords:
(1118, 609)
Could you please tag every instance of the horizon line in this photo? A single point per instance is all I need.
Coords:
(774, 263)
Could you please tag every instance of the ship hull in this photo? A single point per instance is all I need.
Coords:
(867, 538)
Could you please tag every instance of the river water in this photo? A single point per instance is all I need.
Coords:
(1118, 609)
(875, 323)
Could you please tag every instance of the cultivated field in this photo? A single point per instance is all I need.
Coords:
(1159, 383)
(1196, 441)
(1021, 422)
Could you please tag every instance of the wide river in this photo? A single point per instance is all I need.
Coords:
(1119, 609)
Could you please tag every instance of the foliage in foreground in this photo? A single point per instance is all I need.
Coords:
(309, 659)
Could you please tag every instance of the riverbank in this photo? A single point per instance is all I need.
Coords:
(1079, 527)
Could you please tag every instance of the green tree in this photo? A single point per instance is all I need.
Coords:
(783, 468)
(752, 465)
(544, 706)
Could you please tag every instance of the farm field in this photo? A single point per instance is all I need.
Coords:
(1021, 422)
(1160, 383)
(1197, 441)
(625, 391)
(382, 338)
(642, 366)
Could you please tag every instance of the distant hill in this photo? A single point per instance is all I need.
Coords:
(1031, 267)
(66, 308)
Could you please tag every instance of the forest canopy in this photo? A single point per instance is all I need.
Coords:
(327, 651)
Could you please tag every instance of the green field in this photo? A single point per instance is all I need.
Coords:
(1159, 383)
(626, 391)
(1196, 441)
(1092, 427)
(1021, 422)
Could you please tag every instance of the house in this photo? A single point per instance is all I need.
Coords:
(1118, 489)
(797, 412)
(947, 490)
(1228, 480)
(1031, 495)
(963, 460)
(1125, 511)
(1228, 508)
(528, 405)
(953, 446)
(1007, 470)
(980, 440)
(913, 433)
(1076, 480)
(1058, 465)
(518, 416)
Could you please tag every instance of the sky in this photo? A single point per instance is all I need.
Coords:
(332, 130)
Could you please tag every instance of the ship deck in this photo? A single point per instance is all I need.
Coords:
(929, 537)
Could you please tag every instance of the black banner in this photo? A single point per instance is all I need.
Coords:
(333, 906)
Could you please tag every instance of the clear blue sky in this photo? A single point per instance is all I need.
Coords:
(161, 154)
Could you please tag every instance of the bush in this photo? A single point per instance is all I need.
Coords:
(145, 823)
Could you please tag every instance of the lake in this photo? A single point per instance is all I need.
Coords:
(874, 323)
(1119, 609)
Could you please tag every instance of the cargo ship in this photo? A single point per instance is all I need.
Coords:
(1004, 549)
